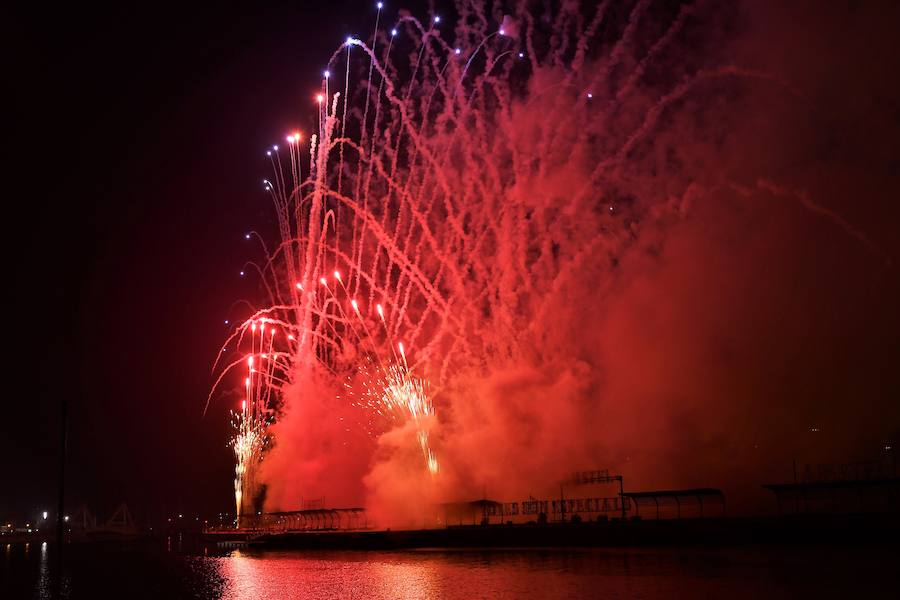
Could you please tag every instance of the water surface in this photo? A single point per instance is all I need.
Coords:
(167, 571)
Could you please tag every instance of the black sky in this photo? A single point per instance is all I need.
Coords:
(133, 170)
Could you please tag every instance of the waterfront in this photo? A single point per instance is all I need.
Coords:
(156, 570)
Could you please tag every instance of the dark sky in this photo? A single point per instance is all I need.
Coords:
(133, 171)
(133, 159)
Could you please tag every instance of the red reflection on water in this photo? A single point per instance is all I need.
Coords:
(354, 575)
(553, 574)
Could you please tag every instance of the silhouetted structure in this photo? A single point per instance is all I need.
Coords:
(478, 512)
(838, 497)
(84, 525)
(697, 502)
(318, 519)
(597, 476)
(83, 520)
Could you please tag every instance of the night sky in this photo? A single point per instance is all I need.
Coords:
(135, 169)
(132, 169)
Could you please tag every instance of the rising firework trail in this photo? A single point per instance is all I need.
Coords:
(449, 200)
(265, 367)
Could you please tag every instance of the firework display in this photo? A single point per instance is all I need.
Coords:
(450, 199)
(404, 256)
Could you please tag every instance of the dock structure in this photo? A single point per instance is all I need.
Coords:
(694, 500)
(859, 496)
(316, 519)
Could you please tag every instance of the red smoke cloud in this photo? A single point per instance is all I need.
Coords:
(723, 290)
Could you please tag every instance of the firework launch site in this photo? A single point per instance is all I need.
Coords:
(722, 532)
(817, 512)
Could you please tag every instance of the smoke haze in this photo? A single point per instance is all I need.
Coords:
(719, 303)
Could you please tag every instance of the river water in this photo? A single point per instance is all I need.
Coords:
(159, 571)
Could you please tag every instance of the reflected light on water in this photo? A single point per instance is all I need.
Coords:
(279, 575)
(43, 588)
(255, 574)
(284, 575)
(535, 573)
(148, 571)
(406, 580)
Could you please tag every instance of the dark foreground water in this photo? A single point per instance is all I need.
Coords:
(161, 571)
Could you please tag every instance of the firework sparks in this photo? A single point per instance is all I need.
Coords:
(383, 237)
(401, 397)
(264, 376)
(385, 234)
